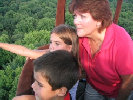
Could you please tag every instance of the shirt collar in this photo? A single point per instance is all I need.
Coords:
(108, 39)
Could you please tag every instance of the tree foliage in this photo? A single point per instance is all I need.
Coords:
(8, 82)
(126, 19)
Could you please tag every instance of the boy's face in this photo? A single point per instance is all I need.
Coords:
(42, 89)
(58, 44)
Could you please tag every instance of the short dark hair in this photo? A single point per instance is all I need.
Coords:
(60, 68)
(99, 10)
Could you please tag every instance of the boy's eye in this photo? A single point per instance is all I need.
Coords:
(50, 42)
(40, 85)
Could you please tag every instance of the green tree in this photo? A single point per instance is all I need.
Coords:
(9, 22)
(69, 19)
(26, 25)
(46, 24)
(126, 19)
(5, 55)
(35, 39)
(8, 82)
(4, 38)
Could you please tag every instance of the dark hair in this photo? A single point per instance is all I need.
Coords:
(69, 36)
(59, 67)
(99, 10)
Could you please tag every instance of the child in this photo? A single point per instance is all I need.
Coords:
(55, 73)
(63, 37)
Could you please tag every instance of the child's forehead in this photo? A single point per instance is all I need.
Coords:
(39, 76)
(57, 39)
(54, 35)
(42, 80)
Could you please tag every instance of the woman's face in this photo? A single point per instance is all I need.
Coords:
(58, 44)
(85, 24)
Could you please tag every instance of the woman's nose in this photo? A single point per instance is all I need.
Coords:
(77, 20)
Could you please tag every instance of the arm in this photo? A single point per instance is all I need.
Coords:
(23, 51)
(126, 87)
(24, 97)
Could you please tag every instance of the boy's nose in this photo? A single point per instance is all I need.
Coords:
(33, 85)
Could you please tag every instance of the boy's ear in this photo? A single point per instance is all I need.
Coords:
(69, 48)
(62, 91)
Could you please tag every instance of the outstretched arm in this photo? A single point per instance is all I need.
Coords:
(23, 51)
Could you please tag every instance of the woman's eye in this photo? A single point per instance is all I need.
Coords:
(74, 16)
(82, 16)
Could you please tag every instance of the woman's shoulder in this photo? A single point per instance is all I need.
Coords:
(121, 36)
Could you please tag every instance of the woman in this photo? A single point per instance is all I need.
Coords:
(62, 37)
(108, 65)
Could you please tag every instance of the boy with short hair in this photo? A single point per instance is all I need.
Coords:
(55, 73)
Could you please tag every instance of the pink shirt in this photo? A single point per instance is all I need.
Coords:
(115, 58)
